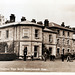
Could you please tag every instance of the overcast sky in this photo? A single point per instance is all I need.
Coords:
(57, 11)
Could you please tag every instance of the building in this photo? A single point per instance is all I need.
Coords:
(2, 20)
(18, 36)
(64, 38)
(49, 40)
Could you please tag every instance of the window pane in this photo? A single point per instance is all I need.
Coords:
(25, 32)
(36, 32)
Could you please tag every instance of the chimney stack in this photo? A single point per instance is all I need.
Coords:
(23, 18)
(46, 22)
(63, 25)
(33, 20)
(12, 18)
(40, 22)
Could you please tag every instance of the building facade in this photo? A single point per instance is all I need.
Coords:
(18, 36)
(49, 40)
(64, 39)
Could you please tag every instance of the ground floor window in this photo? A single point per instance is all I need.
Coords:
(36, 51)
(68, 50)
(57, 50)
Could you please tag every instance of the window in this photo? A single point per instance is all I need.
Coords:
(25, 33)
(58, 31)
(0, 19)
(63, 41)
(68, 34)
(63, 32)
(68, 50)
(0, 34)
(36, 51)
(36, 33)
(68, 42)
(57, 41)
(57, 50)
(50, 38)
(7, 33)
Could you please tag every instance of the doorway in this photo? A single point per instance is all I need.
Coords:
(36, 51)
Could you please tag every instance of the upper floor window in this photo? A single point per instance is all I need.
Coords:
(57, 41)
(0, 34)
(58, 31)
(36, 33)
(68, 34)
(50, 38)
(25, 32)
(63, 41)
(68, 42)
(7, 33)
(0, 19)
(63, 32)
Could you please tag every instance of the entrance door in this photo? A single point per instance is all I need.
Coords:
(50, 51)
(25, 50)
(35, 51)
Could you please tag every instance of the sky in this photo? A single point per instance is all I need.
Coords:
(56, 11)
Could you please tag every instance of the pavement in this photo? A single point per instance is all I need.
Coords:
(37, 66)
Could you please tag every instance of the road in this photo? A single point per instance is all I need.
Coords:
(37, 66)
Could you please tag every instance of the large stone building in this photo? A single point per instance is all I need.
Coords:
(17, 36)
(64, 38)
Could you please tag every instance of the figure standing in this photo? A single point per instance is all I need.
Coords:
(68, 58)
(25, 53)
(62, 57)
(45, 56)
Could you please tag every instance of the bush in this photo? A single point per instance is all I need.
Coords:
(7, 56)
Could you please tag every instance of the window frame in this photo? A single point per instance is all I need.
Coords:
(23, 31)
(37, 34)
(7, 33)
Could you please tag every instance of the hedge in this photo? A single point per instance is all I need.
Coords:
(7, 56)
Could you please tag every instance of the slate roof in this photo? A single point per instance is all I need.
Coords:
(49, 30)
(54, 25)
(26, 23)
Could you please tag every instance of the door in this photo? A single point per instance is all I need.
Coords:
(25, 50)
(35, 51)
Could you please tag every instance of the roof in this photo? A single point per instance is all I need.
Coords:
(49, 30)
(26, 23)
(54, 25)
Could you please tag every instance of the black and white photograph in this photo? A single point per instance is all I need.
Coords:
(37, 36)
